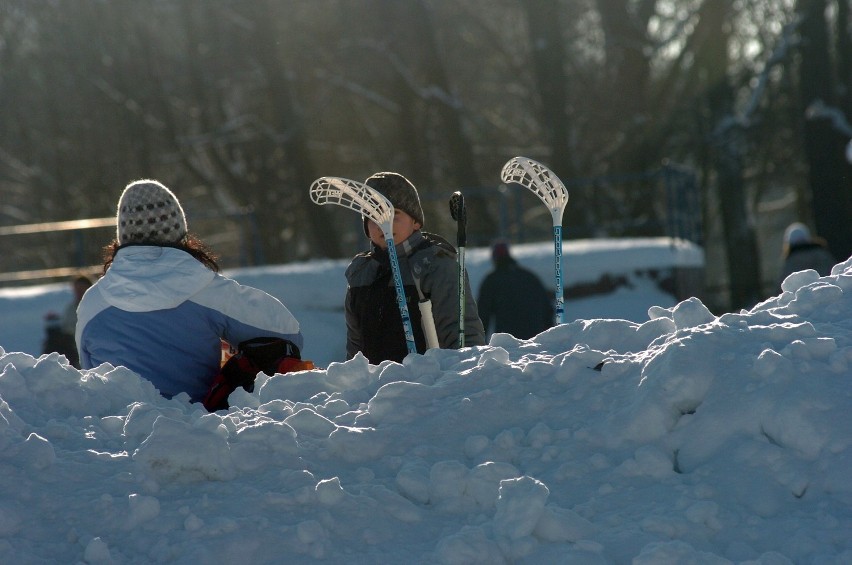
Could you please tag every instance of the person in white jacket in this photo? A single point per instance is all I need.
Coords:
(161, 308)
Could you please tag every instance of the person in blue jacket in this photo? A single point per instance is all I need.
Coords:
(161, 307)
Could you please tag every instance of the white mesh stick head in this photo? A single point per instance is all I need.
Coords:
(540, 180)
(356, 196)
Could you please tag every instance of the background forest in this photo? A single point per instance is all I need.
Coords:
(238, 105)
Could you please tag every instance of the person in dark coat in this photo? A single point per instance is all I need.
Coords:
(512, 299)
(59, 329)
(803, 251)
(373, 321)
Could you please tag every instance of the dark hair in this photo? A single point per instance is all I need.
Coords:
(190, 243)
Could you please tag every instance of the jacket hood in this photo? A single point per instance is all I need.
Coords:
(145, 278)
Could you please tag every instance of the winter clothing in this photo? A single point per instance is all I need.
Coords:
(59, 329)
(161, 309)
(270, 355)
(400, 192)
(803, 251)
(79, 285)
(499, 250)
(161, 313)
(148, 212)
(59, 333)
(512, 299)
(797, 233)
(59, 341)
(373, 322)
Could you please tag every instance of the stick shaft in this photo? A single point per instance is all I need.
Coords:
(400, 298)
(459, 214)
(461, 296)
(428, 322)
(557, 255)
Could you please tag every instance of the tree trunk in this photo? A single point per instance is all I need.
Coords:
(316, 223)
(548, 57)
(548, 62)
(830, 178)
(429, 114)
(728, 154)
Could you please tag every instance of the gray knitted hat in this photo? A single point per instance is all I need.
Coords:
(148, 212)
(400, 192)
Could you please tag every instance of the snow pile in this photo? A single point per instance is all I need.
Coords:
(700, 439)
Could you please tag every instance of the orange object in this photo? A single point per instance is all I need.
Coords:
(292, 365)
(228, 351)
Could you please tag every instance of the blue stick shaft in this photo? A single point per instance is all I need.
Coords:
(400, 298)
(560, 296)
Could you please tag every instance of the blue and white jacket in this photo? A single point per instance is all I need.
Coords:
(161, 313)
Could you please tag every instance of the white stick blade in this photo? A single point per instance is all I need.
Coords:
(354, 195)
(537, 178)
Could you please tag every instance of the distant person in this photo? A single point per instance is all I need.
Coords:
(803, 251)
(79, 285)
(373, 321)
(161, 308)
(59, 328)
(512, 299)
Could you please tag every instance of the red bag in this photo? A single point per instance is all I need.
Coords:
(270, 355)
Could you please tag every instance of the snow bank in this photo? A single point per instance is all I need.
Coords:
(699, 439)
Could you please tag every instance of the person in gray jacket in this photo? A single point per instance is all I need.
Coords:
(373, 321)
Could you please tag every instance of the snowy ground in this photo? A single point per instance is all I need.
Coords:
(702, 439)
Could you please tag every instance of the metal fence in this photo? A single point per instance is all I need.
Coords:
(75, 246)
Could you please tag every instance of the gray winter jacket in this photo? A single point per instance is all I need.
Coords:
(373, 321)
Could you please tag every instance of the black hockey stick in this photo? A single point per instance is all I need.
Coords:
(457, 210)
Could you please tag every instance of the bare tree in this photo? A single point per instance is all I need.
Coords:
(824, 87)
(243, 104)
(548, 54)
(728, 153)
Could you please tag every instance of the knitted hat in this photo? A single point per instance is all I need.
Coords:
(400, 192)
(500, 250)
(796, 234)
(148, 212)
